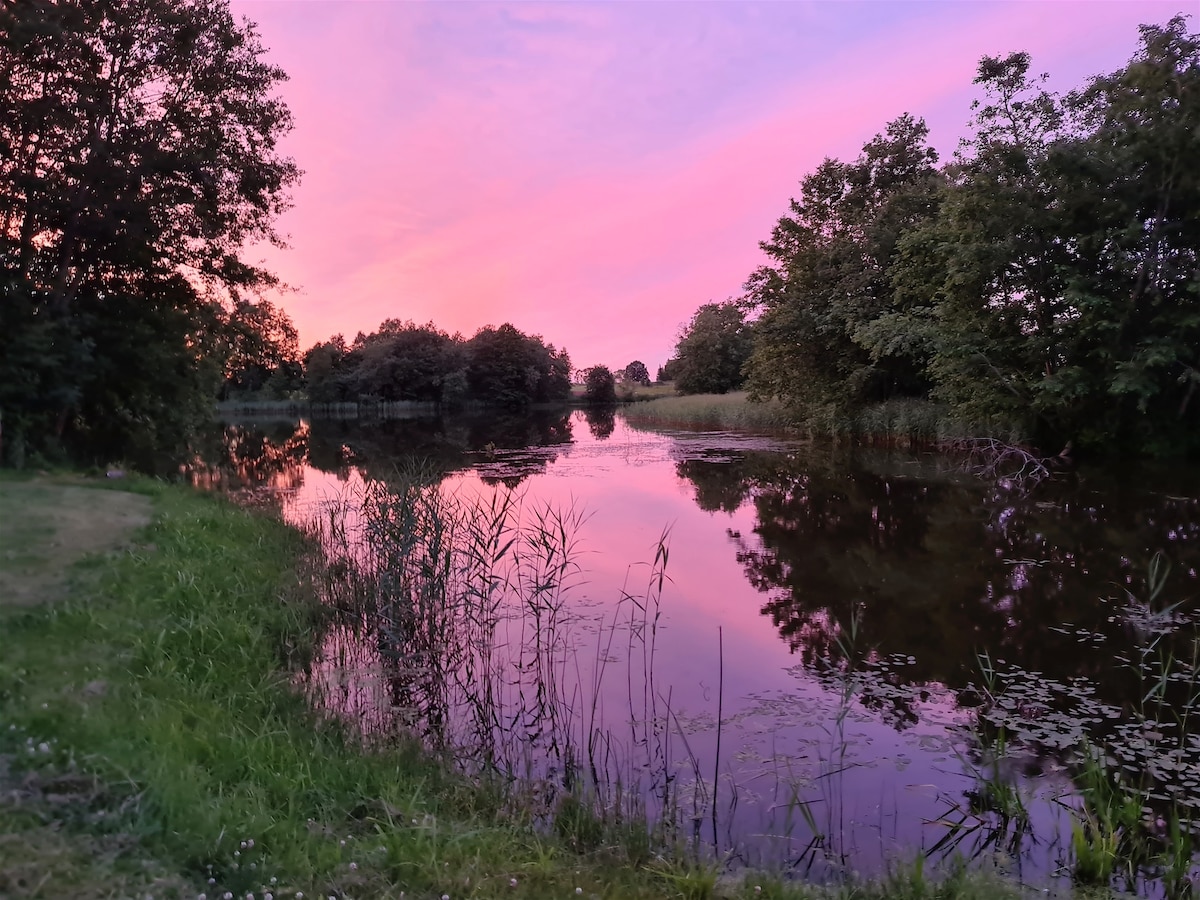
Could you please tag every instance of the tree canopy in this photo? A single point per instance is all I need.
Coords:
(138, 157)
(1044, 280)
(711, 350)
(636, 372)
(600, 385)
(402, 361)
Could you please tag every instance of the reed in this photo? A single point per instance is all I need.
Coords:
(461, 604)
(733, 411)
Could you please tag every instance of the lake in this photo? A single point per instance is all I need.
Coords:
(821, 659)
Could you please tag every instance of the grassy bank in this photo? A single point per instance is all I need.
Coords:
(902, 422)
(732, 411)
(153, 742)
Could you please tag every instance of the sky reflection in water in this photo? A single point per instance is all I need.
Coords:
(775, 549)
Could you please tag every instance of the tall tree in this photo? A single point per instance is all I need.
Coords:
(263, 348)
(712, 349)
(833, 328)
(138, 156)
(1069, 303)
(1000, 283)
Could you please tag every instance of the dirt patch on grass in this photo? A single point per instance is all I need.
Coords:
(44, 528)
(61, 836)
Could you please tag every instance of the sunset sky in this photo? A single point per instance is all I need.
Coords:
(594, 172)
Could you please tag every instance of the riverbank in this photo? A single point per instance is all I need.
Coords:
(909, 423)
(154, 742)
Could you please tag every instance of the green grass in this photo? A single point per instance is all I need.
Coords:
(907, 422)
(733, 411)
(152, 737)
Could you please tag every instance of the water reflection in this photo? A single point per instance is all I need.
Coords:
(856, 594)
(944, 570)
(273, 455)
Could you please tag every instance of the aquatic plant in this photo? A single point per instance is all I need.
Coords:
(455, 607)
(1135, 808)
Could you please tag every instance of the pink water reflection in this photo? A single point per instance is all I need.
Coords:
(788, 739)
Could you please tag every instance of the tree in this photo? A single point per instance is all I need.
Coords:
(138, 156)
(712, 349)
(403, 361)
(1070, 243)
(637, 373)
(833, 328)
(325, 370)
(600, 386)
(508, 368)
(263, 348)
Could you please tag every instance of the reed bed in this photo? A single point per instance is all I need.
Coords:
(733, 411)
(454, 623)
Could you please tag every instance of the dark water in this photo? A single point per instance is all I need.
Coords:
(826, 619)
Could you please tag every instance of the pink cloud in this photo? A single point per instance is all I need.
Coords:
(594, 173)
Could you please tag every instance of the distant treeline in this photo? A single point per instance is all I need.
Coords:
(402, 361)
(1045, 281)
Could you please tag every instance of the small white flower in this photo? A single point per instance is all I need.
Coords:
(250, 842)
(237, 852)
(242, 845)
(758, 889)
(299, 895)
(202, 897)
(445, 897)
(273, 879)
(268, 896)
(342, 843)
(579, 890)
(249, 896)
(43, 747)
(212, 881)
(512, 882)
(353, 866)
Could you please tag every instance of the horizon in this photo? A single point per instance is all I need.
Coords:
(449, 149)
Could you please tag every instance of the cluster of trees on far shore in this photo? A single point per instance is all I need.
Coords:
(1044, 280)
(402, 361)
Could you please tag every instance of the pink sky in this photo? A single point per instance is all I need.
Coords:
(594, 172)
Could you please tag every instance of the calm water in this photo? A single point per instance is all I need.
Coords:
(824, 618)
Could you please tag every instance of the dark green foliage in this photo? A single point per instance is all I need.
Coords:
(264, 354)
(420, 363)
(402, 361)
(710, 354)
(600, 386)
(1071, 249)
(1044, 281)
(137, 156)
(637, 373)
(508, 368)
(834, 330)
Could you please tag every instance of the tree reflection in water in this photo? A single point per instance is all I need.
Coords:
(942, 570)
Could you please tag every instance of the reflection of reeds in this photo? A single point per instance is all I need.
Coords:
(458, 605)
